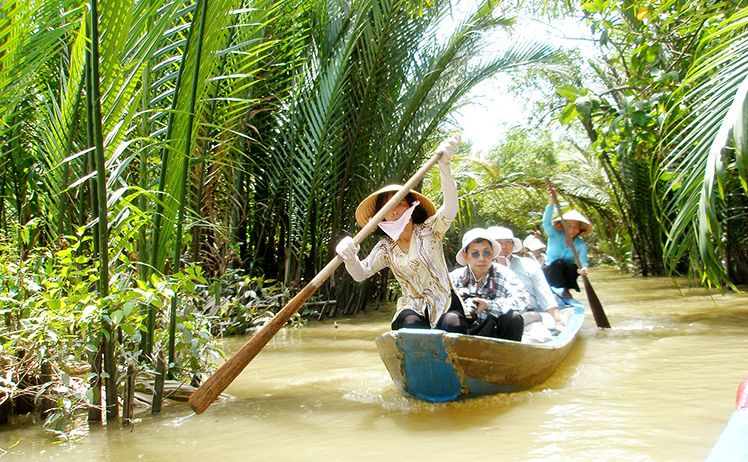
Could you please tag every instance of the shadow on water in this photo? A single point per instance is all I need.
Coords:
(678, 325)
(726, 318)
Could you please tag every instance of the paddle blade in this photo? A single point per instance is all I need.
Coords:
(601, 319)
(204, 396)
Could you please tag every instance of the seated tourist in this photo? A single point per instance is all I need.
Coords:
(530, 273)
(534, 249)
(492, 292)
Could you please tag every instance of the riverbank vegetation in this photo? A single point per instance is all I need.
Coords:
(173, 172)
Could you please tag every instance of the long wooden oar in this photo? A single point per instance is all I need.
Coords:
(601, 319)
(221, 378)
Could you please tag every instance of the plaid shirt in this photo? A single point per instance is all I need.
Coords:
(500, 286)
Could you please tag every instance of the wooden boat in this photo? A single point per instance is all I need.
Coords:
(437, 366)
(732, 444)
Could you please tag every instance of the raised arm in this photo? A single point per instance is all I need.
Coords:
(548, 220)
(451, 204)
(582, 252)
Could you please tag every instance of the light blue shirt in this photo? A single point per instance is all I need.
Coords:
(556, 247)
(529, 272)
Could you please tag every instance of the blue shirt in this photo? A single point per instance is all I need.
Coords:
(556, 247)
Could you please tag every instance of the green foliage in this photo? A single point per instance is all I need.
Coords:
(51, 313)
(514, 195)
(705, 167)
(661, 108)
(622, 105)
(201, 138)
(240, 303)
(363, 111)
(508, 189)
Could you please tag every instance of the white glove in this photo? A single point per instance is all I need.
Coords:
(448, 148)
(347, 249)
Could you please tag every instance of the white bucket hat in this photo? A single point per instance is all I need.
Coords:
(532, 243)
(472, 235)
(499, 232)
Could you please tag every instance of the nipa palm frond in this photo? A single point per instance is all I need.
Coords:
(697, 163)
(197, 66)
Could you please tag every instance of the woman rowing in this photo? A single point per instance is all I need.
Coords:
(413, 250)
(561, 268)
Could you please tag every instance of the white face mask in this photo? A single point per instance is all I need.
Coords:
(395, 228)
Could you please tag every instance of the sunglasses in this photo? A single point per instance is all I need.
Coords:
(486, 254)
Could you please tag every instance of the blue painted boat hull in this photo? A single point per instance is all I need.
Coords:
(437, 366)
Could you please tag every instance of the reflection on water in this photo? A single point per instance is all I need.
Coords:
(659, 386)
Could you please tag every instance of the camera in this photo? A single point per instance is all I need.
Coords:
(467, 296)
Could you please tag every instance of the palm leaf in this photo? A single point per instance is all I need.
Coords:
(697, 165)
(198, 64)
(58, 135)
(32, 34)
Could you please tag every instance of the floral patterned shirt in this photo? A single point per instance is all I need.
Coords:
(421, 271)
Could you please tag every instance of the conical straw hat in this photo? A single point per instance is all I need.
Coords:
(368, 207)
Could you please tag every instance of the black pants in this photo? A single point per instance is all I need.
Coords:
(562, 274)
(508, 326)
(452, 321)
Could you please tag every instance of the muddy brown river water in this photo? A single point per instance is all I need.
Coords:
(659, 386)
